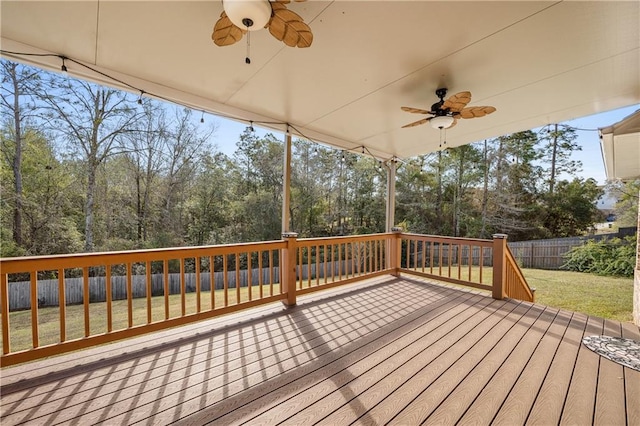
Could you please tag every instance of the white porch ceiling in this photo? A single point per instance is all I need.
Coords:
(536, 62)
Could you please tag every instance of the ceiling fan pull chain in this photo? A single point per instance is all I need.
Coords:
(247, 60)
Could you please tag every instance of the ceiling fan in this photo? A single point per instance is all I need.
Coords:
(241, 16)
(445, 114)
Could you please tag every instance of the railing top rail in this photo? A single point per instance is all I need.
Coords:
(342, 238)
(458, 240)
(79, 260)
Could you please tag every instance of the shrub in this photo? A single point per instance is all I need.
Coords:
(614, 257)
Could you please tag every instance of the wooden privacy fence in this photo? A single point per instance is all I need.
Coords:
(549, 254)
(135, 292)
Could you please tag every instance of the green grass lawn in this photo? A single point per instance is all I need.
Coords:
(606, 297)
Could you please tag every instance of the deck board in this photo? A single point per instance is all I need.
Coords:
(550, 399)
(610, 398)
(404, 351)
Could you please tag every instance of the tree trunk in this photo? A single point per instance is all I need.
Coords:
(17, 161)
(88, 207)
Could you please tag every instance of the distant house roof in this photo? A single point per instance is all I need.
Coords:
(620, 144)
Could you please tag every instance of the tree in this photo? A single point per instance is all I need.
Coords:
(514, 205)
(465, 173)
(19, 84)
(558, 145)
(49, 215)
(93, 119)
(572, 207)
(210, 204)
(184, 145)
(627, 206)
(145, 159)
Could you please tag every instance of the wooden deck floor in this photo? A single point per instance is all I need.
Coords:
(399, 351)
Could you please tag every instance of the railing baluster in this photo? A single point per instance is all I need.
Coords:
(129, 296)
(459, 246)
(183, 289)
(299, 279)
(147, 270)
(237, 278)
(431, 246)
(225, 272)
(260, 280)
(333, 274)
(249, 277)
(62, 305)
(198, 283)
(318, 264)
(34, 307)
(212, 281)
(271, 274)
(481, 263)
(85, 300)
(470, 260)
(107, 278)
(167, 289)
(4, 295)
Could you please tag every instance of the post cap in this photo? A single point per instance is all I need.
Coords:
(396, 229)
(289, 235)
(500, 236)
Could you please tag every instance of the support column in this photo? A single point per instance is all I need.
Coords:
(499, 266)
(289, 268)
(286, 183)
(391, 194)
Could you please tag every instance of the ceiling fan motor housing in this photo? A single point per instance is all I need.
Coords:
(251, 15)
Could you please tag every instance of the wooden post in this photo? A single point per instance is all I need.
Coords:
(395, 255)
(286, 183)
(391, 195)
(499, 265)
(289, 268)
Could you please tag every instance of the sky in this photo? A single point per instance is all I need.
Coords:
(228, 132)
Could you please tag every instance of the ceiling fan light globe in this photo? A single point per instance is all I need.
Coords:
(441, 122)
(258, 12)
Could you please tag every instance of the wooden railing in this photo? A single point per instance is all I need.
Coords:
(326, 262)
(461, 261)
(124, 294)
(55, 304)
(516, 286)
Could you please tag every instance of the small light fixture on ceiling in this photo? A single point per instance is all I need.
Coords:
(251, 15)
(441, 122)
(63, 68)
(202, 117)
(250, 128)
(140, 98)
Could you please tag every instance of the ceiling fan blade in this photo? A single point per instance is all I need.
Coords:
(289, 27)
(476, 111)
(225, 32)
(457, 102)
(416, 123)
(415, 110)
